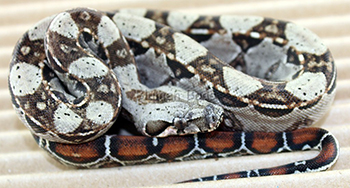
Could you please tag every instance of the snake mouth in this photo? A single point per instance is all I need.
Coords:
(180, 126)
(156, 128)
(192, 122)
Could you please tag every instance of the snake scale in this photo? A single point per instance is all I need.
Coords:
(193, 86)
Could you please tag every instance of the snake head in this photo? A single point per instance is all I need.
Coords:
(197, 118)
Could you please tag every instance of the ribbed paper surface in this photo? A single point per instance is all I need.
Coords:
(23, 164)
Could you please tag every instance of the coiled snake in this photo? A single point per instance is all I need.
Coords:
(226, 84)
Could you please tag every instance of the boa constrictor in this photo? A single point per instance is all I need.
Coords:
(72, 73)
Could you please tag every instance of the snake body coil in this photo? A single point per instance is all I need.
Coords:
(257, 79)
